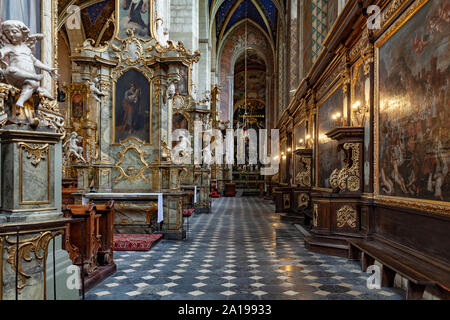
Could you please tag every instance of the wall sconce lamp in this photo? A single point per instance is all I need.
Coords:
(337, 118)
(359, 111)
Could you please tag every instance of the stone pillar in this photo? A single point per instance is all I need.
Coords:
(103, 176)
(230, 80)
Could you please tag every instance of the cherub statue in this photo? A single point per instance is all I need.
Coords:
(96, 92)
(73, 147)
(181, 153)
(20, 71)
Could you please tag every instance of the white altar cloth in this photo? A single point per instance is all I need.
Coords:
(128, 196)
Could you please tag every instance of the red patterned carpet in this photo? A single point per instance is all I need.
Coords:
(135, 242)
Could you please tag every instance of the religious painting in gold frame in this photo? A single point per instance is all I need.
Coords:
(327, 156)
(132, 107)
(183, 86)
(134, 15)
(179, 121)
(77, 106)
(412, 133)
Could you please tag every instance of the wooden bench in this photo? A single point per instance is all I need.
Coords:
(106, 230)
(83, 240)
(419, 272)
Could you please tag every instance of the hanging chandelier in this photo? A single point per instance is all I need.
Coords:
(245, 124)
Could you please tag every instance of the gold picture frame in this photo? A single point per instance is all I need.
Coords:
(113, 134)
(425, 205)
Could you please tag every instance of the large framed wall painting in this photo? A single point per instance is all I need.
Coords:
(133, 14)
(327, 154)
(413, 123)
(132, 107)
(361, 96)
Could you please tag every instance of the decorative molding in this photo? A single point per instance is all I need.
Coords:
(392, 8)
(302, 200)
(35, 151)
(349, 176)
(25, 247)
(303, 177)
(315, 215)
(140, 174)
(346, 215)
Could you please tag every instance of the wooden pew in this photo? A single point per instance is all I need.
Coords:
(83, 240)
(90, 243)
(106, 230)
(419, 271)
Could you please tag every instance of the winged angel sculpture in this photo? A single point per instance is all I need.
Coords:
(18, 64)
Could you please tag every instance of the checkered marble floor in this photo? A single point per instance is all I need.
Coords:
(241, 251)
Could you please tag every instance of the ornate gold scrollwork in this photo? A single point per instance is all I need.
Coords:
(37, 152)
(348, 177)
(302, 200)
(26, 246)
(368, 55)
(303, 177)
(346, 216)
(141, 171)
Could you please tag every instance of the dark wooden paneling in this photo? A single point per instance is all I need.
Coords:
(427, 233)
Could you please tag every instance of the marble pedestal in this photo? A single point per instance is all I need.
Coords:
(82, 170)
(30, 215)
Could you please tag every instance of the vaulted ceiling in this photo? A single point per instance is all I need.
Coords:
(94, 17)
(227, 13)
(223, 13)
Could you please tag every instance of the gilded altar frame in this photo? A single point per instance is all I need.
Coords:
(428, 206)
(113, 124)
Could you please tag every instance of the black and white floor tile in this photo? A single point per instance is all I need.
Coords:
(241, 251)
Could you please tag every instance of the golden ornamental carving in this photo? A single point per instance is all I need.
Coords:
(303, 177)
(367, 55)
(46, 114)
(36, 152)
(25, 247)
(315, 215)
(391, 10)
(302, 200)
(140, 174)
(348, 177)
(346, 216)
